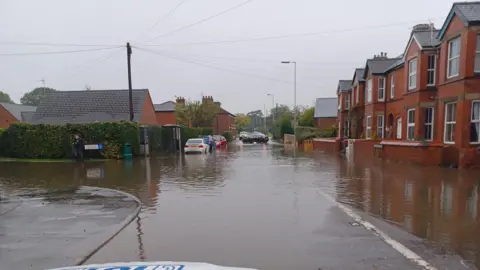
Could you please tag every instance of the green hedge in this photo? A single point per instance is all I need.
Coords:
(23, 140)
(189, 133)
(228, 136)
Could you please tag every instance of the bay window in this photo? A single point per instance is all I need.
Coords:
(432, 64)
(392, 86)
(412, 74)
(380, 124)
(369, 127)
(347, 101)
(450, 122)
(428, 124)
(369, 90)
(381, 88)
(477, 55)
(453, 62)
(411, 124)
(475, 122)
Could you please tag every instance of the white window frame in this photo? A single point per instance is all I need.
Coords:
(432, 124)
(368, 135)
(392, 86)
(453, 58)
(346, 131)
(381, 87)
(412, 73)
(399, 126)
(474, 121)
(432, 69)
(347, 101)
(449, 123)
(369, 90)
(477, 54)
(380, 129)
(410, 125)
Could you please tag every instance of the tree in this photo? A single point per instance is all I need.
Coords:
(242, 121)
(5, 98)
(35, 97)
(196, 113)
(307, 118)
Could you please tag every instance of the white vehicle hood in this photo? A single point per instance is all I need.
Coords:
(152, 266)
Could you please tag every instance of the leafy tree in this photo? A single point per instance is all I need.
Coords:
(196, 113)
(242, 121)
(307, 118)
(35, 97)
(5, 98)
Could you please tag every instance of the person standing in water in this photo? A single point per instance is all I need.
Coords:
(79, 147)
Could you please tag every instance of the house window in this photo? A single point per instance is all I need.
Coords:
(412, 74)
(475, 122)
(369, 90)
(399, 128)
(453, 63)
(432, 64)
(477, 55)
(411, 124)
(346, 130)
(428, 124)
(450, 122)
(380, 126)
(392, 86)
(381, 89)
(369, 127)
(347, 101)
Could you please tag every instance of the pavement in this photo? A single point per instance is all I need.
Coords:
(42, 230)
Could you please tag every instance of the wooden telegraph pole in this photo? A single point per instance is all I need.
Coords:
(130, 93)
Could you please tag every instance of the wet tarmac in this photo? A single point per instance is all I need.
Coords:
(258, 206)
(41, 229)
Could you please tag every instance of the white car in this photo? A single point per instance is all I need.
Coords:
(195, 146)
(152, 266)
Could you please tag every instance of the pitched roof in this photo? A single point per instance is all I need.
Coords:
(223, 111)
(62, 107)
(344, 85)
(379, 66)
(468, 12)
(427, 39)
(168, 106)
(359, 74)
(395, 65)
(326, 107)
(27, 116)
(17, 109)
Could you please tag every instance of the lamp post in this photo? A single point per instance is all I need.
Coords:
(273, 107)
(294, 95)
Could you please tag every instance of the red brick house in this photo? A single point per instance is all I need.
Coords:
(424, 106)
(12, 113)
(325, 113)
(165, 113)
(344, 93)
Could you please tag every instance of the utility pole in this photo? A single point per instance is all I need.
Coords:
(265, 118)
(130, 93)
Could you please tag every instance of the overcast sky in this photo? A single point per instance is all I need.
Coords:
(238, 74)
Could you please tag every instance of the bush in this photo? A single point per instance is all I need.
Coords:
(2, 130)
(189, 133)
(22, 140)
(228, 136)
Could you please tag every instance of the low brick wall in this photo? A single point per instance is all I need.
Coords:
(364, 149)
(469, 158)
(332, 145)
(411, 152)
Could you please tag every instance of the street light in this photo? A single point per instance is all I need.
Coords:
(273, 106)
(294, 95)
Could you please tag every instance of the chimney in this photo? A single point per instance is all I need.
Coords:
(180, 101)
(219, 104)
(381, 54)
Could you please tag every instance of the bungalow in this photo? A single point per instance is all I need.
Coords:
(11, 113)
(61, 107)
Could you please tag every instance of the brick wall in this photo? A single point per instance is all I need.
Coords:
(325, 123)
(165, 118)
(6, 118)
(422, 155)
(364, 149)
(148, 113)
(332, 145)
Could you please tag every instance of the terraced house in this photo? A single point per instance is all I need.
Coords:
(423, 106)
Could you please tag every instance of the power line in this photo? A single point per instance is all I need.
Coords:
(201, 21)
(57, 52)
(218, 68)
(53, 44)
(168, 14)
(258, 60)
(289, 36)
(96, 62)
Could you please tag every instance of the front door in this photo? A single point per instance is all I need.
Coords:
(399, 128)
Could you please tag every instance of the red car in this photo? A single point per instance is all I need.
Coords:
(220, 141)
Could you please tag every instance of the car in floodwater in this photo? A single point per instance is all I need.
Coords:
(220, 141)
(195, 146)
(255, 137)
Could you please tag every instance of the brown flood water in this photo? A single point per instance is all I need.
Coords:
(247, 193)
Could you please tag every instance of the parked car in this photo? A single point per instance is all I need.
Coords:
(220, 141)
(255, 137)
(243, 135)
(196, 146)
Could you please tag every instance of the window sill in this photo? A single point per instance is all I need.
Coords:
(450, 143)
(405, 143)
(475, 143)
(453, 76)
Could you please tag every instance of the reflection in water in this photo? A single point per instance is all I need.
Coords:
(439, 205)
(259, 193)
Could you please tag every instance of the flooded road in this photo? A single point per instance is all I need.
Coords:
(257, 206)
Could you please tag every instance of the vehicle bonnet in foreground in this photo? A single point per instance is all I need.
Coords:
(152, 266)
